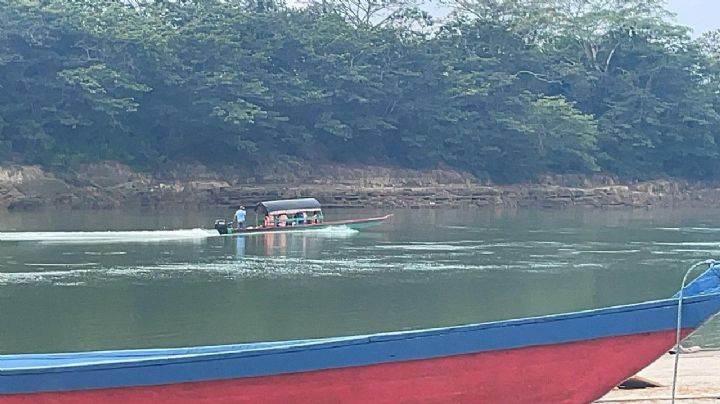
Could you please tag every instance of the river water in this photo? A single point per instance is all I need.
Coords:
(72, 281)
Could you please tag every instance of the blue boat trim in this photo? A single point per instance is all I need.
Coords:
(63, 372)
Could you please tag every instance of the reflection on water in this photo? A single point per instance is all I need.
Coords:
(67, 283)
(239, 246)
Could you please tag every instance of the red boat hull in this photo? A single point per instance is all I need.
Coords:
(577, 372)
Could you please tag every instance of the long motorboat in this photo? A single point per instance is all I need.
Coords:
(292, 215)
(565, 358)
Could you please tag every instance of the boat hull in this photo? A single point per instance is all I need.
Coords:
(352, 223)
(576, 372)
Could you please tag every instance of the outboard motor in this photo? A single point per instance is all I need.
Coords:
(222, 226)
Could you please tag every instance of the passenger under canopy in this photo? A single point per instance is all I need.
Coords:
(287, 206)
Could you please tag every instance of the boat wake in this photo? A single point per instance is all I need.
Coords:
(690, 229)
(244, 268)
(335, 231)
(339, 231)
(106, 237)
(434, 246)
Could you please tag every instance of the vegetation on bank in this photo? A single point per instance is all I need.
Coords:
(506, 89)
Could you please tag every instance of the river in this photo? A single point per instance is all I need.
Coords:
(87, 280)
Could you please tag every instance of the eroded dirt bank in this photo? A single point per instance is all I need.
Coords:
(111, 185)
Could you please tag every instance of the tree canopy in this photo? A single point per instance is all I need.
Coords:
(506, 89)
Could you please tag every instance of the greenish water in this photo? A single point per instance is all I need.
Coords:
(159, 280)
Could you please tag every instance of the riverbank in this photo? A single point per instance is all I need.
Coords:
(111, 185)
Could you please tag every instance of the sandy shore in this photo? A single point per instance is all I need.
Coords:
(698, 381)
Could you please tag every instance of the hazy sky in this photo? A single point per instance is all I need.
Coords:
(700, 15)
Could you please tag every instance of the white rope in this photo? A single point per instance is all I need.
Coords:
(679, 322)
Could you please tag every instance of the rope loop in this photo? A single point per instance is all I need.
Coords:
(710, 263)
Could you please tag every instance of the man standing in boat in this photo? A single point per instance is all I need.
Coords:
(240, 217)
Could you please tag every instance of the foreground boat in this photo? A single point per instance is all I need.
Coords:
(293, 215)
(567, 358)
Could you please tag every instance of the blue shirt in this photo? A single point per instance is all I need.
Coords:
(240, 216)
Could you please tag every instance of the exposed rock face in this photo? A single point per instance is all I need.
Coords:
(112, 185)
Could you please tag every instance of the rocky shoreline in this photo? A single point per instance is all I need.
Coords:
(111, 185)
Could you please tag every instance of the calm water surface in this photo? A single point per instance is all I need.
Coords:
(69, 284)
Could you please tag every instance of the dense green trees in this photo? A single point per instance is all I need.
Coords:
(508, 89)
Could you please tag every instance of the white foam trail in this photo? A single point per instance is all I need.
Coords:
(691, 229)
(336, 231)
(709, 252)
(103, 237)
(425, 247)
(605, 252)
(105, 253)
(83, 264)
(10, 278)
(474, 242)
(691, 244)
(246, 267)
(330, 231)
(588, 265)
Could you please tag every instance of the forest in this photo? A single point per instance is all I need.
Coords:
(508, 90)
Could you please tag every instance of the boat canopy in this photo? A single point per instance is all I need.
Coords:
(288, 206)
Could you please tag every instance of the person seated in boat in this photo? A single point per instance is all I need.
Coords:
(302, 218)
(240, 217)
(269, 221)
(282, 220)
